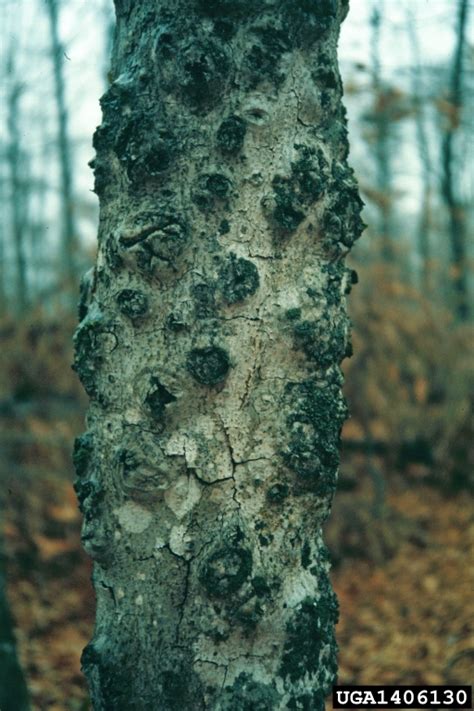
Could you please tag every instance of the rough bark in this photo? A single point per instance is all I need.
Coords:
(213, 326)
(68, 222)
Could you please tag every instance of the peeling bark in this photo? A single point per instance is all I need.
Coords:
(212, 331)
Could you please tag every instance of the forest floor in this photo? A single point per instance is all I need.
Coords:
(404, 577)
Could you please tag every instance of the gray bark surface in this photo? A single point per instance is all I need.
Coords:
(212, 331)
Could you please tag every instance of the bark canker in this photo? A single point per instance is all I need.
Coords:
(212, 333)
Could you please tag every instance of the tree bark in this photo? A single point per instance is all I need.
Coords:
(212, 331)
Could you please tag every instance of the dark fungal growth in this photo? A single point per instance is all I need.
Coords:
(158, 398)
(212, 189)
(323, 342)
(132, 303)
(230, 8)
(82, 454)
(309, 634)
(246, 694)
(209, 366)
(262, 61)
(309, 20)
(238, 279)
(315, 425)
(88, 356)
(204, 300)
(342, 222)
(294, 194)
(205, 67)
(226, 570)
(231, 134)
(277, 493)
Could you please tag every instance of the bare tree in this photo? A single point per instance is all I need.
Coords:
(451, 167)
(68, 223)
(17, 185)
(213, 327)
(424, 153)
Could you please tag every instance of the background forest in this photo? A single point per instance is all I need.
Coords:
(402, 529)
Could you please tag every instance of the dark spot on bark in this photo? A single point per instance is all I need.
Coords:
(342, 220)
(323, 342)
(311, 701)
(309, 20)
(294, 194)
(82, 454)
(262, 61)
(158, 398)
(314, 426)
(231, 8)
(226, 569)
(176, 323)
(180, 689)
(205, 68)
(310, 633)
(90, 496)
(225, 29)
(85, 294)
(246, 694)
(306, 555)
(260, 586)
(132, 303)
(231, 135)
(88, 355)
(293, 314)
(238, 279)
(325, 74)
(114, 677)
(209, 366)
(204, 300)
(278, 493)
(224, 227)
(212, 189)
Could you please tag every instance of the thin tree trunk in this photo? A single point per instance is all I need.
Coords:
(68, 223)
(424, 220)
(16, 188)
(13, 690)
(457, 223)
(213, 327)
(381, 120)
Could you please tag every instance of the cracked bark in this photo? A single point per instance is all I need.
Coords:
(212, 331)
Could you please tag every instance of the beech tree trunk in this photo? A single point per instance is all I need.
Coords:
(213, 327)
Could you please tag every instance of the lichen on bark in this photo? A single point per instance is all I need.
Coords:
(213, 327)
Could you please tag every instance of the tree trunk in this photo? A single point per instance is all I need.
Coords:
(213, 327)
(457, 221)
(424, 155)
(381, 119)
(68, 224)
(17, 187)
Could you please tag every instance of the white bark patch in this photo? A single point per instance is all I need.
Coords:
(183, 495)
(180, 542)
(133, 517)
(199, 447)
